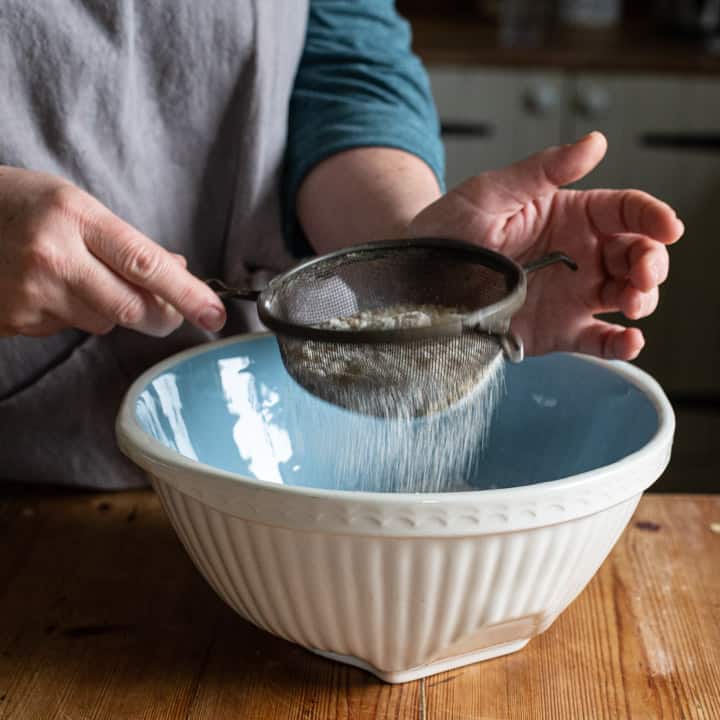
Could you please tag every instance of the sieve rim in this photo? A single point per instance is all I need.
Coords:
(493, 318)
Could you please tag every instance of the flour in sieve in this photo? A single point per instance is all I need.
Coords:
(393, 379)
(393, 318)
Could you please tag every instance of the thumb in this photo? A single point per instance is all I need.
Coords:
(546, 171)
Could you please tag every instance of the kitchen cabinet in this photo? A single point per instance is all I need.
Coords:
(493, 117)
(664, 137)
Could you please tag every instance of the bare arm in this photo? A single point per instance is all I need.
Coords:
(363, 195)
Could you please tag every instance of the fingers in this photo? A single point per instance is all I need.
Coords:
(612, 212)
(542, 173)
(73, 312)
(113, 298)
(160, 314)
(93, 309)
(636, 265)
(42, 326)
(634, 304)
(613, 342)
(54, 276)
(144, 264)
(642, 261)
(46, 324)
(69, 312)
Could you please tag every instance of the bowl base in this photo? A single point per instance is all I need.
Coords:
(432, 668)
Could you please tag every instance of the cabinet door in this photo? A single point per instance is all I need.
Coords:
(664, 137)
(491, 118)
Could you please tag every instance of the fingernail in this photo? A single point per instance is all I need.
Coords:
(579, 141)
(213, 318)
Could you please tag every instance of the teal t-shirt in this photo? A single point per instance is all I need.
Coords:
(358, 85)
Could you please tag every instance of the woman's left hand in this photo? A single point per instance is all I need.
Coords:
(617, 237)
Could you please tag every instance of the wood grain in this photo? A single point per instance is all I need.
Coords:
(103, 616)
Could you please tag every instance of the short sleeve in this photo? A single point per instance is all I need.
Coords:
(358, 85)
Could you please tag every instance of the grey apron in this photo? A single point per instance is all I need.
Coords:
(173, 113)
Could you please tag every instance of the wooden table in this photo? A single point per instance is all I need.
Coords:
(103, 616)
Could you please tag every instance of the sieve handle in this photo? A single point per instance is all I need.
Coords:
(225, 292)
(513, 347)
(550, 259)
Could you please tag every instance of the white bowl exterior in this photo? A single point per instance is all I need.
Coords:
(403, 585)
(395, 603)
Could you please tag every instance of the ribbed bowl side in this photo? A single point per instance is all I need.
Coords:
(395, 603)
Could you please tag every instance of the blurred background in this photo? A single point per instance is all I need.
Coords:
(513, 76)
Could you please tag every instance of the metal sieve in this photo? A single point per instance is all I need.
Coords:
(401, 370)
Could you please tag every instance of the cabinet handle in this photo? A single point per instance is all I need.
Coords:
(592, 101)
(453, 128)
(541, 99)
(707, 141)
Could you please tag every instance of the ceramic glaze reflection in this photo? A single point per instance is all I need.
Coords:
(258, 439)
(164, 389)
(235, 408)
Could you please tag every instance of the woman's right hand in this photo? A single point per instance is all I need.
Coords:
(67, 261)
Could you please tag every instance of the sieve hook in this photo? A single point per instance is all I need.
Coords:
(225, 292)
(513, 347)
(550, 259)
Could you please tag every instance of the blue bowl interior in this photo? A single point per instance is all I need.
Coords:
(235, 408)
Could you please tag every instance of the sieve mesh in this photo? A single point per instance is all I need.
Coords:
(393, 372)
(387, 277)
(393, 379)
(461, 298)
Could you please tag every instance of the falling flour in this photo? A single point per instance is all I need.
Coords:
(419, 412)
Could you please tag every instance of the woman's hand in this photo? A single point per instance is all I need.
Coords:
(617, 237)
(67, 261)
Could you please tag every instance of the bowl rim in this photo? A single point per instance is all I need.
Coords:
(139, 446)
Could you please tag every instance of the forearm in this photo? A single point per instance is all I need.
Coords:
(364, 152)
(363, 195)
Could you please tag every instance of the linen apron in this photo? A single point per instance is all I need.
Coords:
(173, 113)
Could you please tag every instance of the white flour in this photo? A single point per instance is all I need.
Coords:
(398, 316)
(386, 446)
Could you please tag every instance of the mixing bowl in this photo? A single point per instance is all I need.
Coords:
(401, 584)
